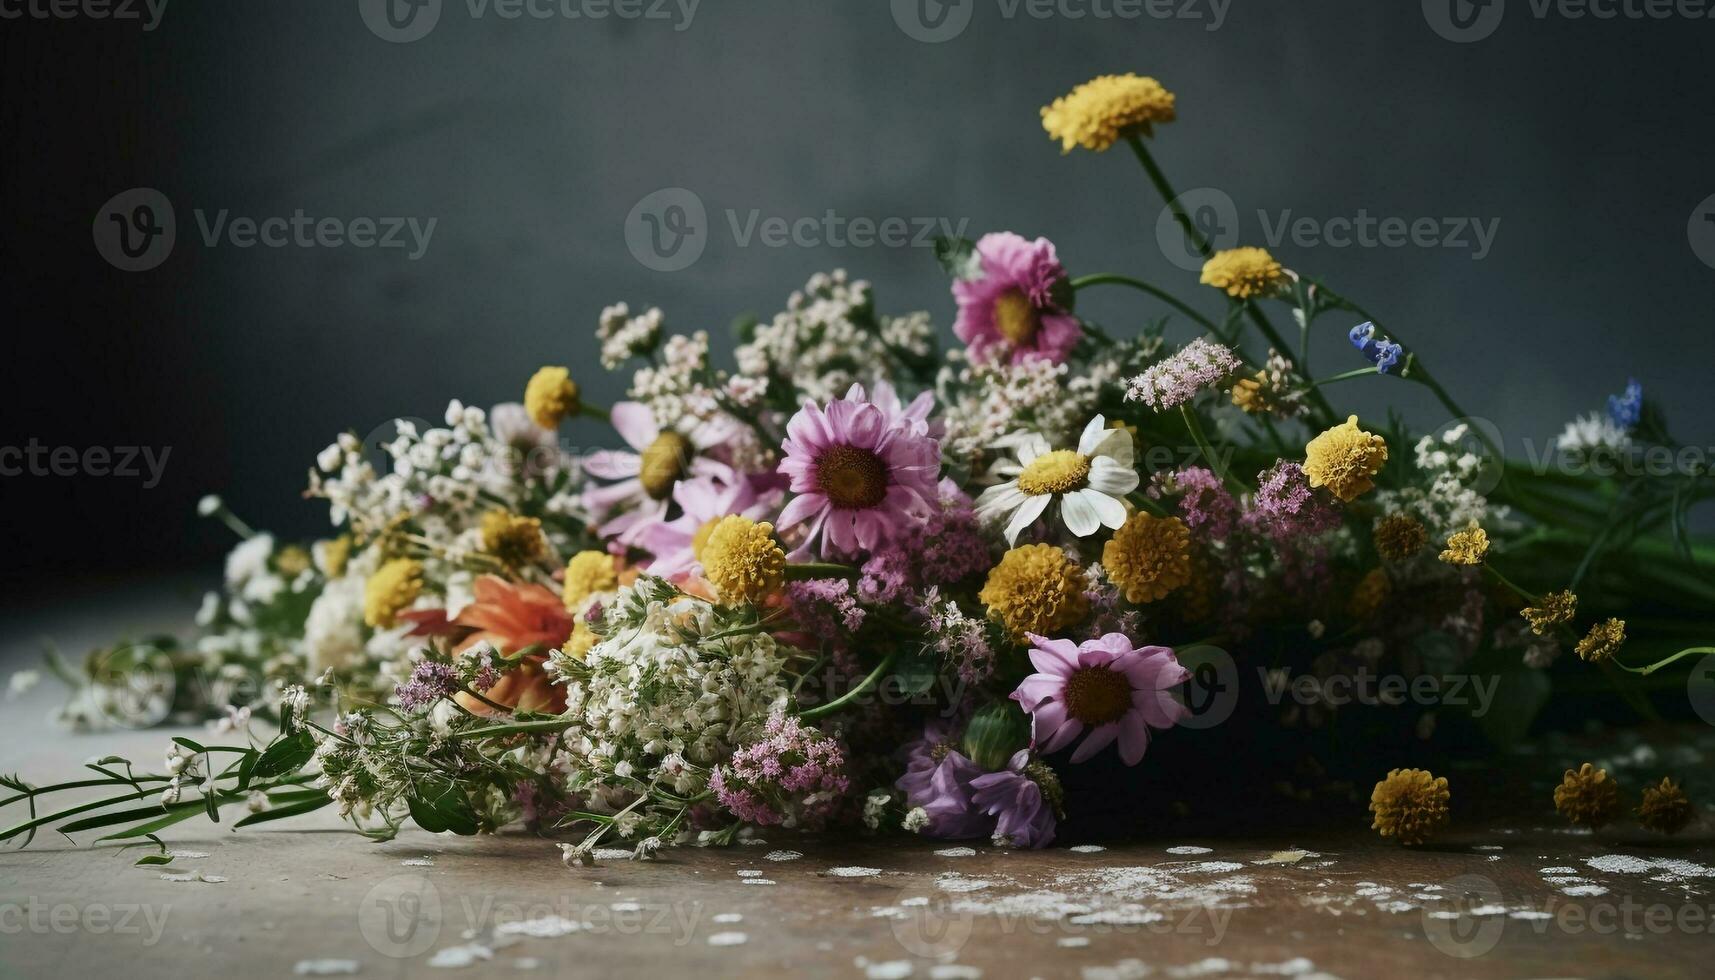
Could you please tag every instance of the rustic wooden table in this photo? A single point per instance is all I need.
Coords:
(1508, 893)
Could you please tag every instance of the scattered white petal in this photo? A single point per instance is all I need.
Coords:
(756, 881)
(459, 957)
(954, 971)
(1073, 942)
(728, 939)
(1189, 849)
(422, 862)
(782, 856)
(853, 871)
(1090, 849)
(728, 918)
(546, 927)
(956, 852)
(324, 968)
(612, 854)
(889, 970)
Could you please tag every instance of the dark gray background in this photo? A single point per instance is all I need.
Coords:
(530, 141)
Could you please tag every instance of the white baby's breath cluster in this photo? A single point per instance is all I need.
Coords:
(1445, 498)
(829, 337)
(987, 403)
(1592, 435)
(670, 692)
(624, 336)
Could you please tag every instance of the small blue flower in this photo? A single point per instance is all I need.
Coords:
(1627, 409)
(1384, 354)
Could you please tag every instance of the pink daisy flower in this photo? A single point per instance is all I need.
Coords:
(647, 477)
(701, 501)
(1012, 305)
(1106, 685)
(860, 481)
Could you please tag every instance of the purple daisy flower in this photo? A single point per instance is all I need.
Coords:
(1015, 797)
(1012, 305)
(1108, 686)
(860, 482)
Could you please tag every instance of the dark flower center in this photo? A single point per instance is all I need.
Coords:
(1097, 695)
(852, 478)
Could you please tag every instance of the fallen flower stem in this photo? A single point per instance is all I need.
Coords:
(1652, 668)
(852, 695)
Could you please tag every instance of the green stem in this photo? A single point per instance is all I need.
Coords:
(1652, 668)
(1346, 376)
(819, 569)
(1111, 279)
(514, 728)
(852, 695)
(594, 412)
(1208, 451)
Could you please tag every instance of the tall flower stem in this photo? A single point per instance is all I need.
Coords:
(1108, 279)
(1652, 668)
(1208, 451)
(863, 687)
(1204, 249)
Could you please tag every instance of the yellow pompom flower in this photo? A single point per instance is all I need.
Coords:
(1243, 273)
(1665, 808)
(1587, 796)
(742, 560)
(1035, 589)
(581, 642)
(1603, 640)
(1410, 805)
(332, 554)
(551, 397)
(1345, 459)
(1371, 592)
(516, 541)
(1556, 608)
(1466, 547)
(291, 561)
(1149, 556)
(391, 591)
(1104, 110)
(1399, 536)
(588, 573)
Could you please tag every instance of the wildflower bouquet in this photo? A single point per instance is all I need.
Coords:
(850, 581)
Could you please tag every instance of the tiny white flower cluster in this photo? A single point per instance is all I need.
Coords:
(1449, 502)
(676, 388)
(182, 769)
(624, 336)
(830, 337)
(998, 400)
(663, 700)
(1593, 434)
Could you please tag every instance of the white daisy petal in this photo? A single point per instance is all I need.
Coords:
(1081, 518)
(999, 499)
(1092, 436)
(1111, 511)
(1030, 447)
(1109, 477)
(1117, 444)
(1026, 516)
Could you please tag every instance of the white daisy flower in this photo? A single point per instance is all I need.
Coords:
(1089, 485)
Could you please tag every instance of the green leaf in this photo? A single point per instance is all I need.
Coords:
(284, 755)
(189, 744)
(289, 810)
(958, 257)
(153, 859)
(1519, 695)
(914, 674)
(438, 806)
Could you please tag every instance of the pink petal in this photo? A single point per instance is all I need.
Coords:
(635, 423)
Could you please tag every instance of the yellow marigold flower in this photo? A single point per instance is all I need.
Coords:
(1148, 557)
(1466, 547)
(1587, 796)
(551, 397)
(516, 541)
(391, 590)
(1399, 536)
(1035, 589)
(581, 642)
(1104, 110)
(1665, 808)
(1345, 459)
(1371, 592)
(1557, 607)
(1243, 273)
(1603, 640)
(331, 555)
(1410, 805)
(588, 573)
(291, 561)
(742, 560)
